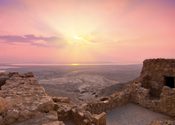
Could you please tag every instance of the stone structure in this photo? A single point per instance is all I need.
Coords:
(165, 104)
(156, 88)
(77, 114)
(157, 73)
(100, 119)
(151, 90)
(117, 99)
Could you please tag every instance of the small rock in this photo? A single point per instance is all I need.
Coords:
(54, 123)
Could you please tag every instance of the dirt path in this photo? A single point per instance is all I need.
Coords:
(132, 114)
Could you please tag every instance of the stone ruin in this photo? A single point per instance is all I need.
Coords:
(154, 89)
(23, 101)
(156, 74)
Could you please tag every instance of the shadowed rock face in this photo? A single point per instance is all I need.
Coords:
(2, 81)
(22, 98)
(3, 78)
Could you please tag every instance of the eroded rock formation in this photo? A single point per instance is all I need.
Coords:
(22, 98)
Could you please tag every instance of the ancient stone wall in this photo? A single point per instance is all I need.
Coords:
(135, 93)
(150, 84)
(153, 73)
(107, 103)
(77, 114)
(165, 104)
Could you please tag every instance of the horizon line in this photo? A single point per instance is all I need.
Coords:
(70, 64)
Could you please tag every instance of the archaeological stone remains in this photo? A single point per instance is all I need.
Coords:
(23, 101)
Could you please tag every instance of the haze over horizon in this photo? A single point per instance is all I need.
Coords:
(88, 32)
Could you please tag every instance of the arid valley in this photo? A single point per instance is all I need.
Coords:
(81, 82)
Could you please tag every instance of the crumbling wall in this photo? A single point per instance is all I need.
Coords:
(83, 117)
(165, 104)
(93, 112)
(67, 111)
(107, 103)
(153, 72)
(150, 90)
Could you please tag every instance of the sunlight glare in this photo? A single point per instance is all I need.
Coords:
(77, 37)
(74, 64)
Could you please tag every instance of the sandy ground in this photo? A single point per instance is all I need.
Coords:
(132, 114)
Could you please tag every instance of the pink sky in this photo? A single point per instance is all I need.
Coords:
(86, 31)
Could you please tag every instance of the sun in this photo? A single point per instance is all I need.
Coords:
(75, 64)
(77, 37)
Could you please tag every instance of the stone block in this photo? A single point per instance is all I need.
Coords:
(100, 119)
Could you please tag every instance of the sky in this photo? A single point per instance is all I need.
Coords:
(86, 31)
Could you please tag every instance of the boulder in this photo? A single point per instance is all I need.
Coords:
(61, 99)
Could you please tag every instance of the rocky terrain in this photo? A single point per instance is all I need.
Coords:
(23, 101)
(22, 98)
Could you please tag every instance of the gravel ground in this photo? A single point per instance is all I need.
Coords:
(132, 114)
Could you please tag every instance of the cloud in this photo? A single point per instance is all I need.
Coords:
(10, 3)
(49, 41)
